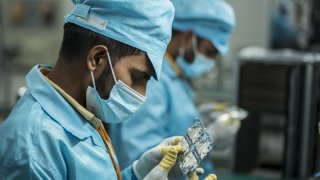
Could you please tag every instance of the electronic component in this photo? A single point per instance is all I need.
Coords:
(197, 144)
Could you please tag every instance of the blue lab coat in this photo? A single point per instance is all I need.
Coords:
(44, 137)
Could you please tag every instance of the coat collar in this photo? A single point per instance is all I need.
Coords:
(56, 106)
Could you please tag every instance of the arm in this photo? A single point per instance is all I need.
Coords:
(26, 168)
(20, 156)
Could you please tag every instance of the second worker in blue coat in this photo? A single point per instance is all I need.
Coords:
(201, 33)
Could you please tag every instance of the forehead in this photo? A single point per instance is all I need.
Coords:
(140, 62)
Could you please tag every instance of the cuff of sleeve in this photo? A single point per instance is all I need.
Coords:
(135, 172)
(128, 173)
(134, 177)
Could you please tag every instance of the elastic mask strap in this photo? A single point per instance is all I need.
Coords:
(195, 44)
(109, 59)
(93, 82)
(181, 51)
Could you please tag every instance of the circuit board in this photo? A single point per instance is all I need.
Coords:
(197, 144)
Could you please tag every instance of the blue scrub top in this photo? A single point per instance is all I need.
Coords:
(45, 138)
(168, 111)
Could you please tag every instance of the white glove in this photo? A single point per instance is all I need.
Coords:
(194, 176)
(160, 172)
(158, 161)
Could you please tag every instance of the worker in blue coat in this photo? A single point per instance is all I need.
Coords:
(201, 32)
(110, 50)
(284, 33)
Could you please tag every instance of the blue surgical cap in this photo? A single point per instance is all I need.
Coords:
(145, 25)
(212, 20)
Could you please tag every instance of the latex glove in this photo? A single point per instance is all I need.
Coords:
(160, 172)
(194, 176)
(153, 157)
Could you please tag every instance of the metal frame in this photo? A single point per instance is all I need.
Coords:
(292, 131)
(299, 156)
(2, 74)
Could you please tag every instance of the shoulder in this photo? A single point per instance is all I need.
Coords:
(26, 119)
(22, 134)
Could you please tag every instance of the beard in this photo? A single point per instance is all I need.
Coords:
(105, 83)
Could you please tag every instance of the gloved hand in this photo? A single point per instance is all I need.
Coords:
(158, 161)
(194, 176)
(160, 172)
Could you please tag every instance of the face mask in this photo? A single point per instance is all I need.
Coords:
(123, 101)
(200, 65)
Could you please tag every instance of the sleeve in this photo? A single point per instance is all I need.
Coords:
(15, 168)
(20, 157)
(146, 128)
(128, 174)
(46, 157)
(28, 169)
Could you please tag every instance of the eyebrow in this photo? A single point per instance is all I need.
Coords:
(142, 71)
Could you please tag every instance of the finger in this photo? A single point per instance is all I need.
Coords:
(179, 148)
(176, 140)
(193, 176)
(199, 171)
(211, 177)
(237, 123)
(170, 158)
(165, 149)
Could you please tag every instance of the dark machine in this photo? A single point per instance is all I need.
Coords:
(280, 91)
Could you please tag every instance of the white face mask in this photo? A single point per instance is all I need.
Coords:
(123, 101)
(200, 65)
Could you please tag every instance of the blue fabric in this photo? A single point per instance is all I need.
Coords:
(168, 111)
(45, 138)
(145, 25)
(213, 20)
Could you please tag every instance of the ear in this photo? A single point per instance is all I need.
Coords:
(97, 58)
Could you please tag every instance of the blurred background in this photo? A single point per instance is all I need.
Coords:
(271, 71)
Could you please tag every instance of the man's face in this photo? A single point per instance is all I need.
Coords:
(204, 46)
(134, 71)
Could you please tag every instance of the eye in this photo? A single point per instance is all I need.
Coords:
(140, 77)
(211, 52)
